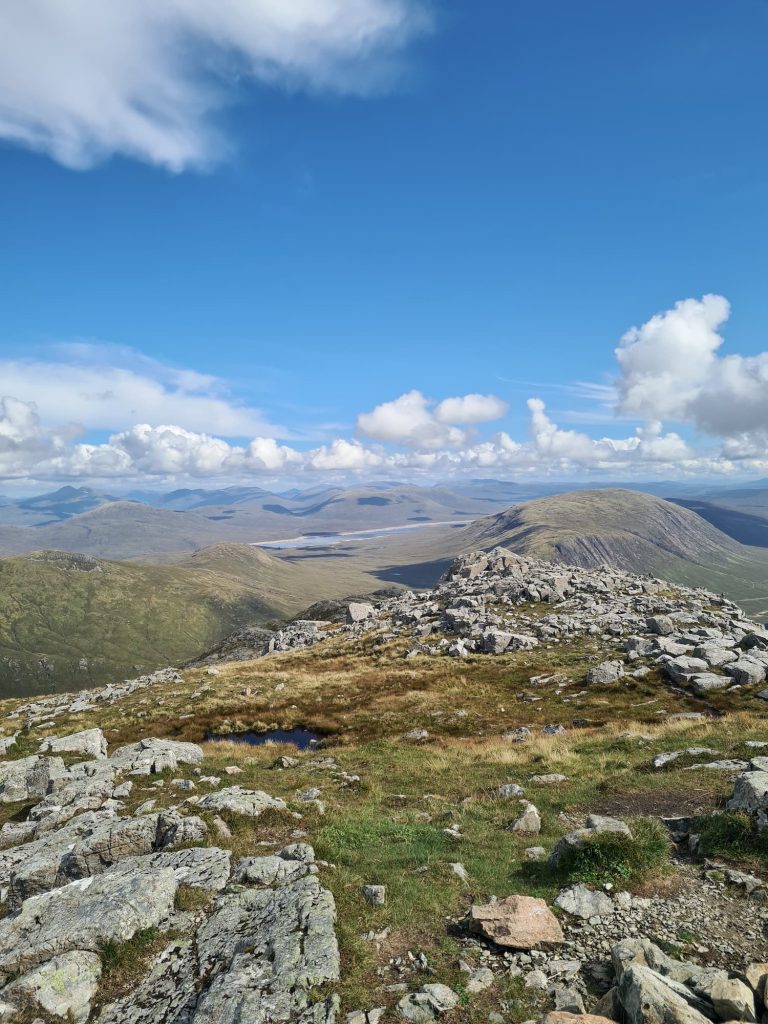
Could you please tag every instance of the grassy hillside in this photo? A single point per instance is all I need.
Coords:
(71, 621)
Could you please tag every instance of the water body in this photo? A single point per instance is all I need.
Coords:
(322, 540)
(302, 739)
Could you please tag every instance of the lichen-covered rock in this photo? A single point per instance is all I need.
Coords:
(265, 950)
(63, 987)
(581, 901)
(86, 914)
(168, 993)
(152, 756)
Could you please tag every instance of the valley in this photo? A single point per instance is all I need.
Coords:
(134, 587)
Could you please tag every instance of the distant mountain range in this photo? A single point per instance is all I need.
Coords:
(105, 591)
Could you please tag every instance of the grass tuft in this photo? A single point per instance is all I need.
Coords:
(620, 860)
(734, 835)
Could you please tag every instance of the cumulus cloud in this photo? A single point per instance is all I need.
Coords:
(470, 409)
(671, 368)
(415, 421)
(665, 363)
(83, 79)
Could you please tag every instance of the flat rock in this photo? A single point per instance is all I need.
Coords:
(248, 802)
(85, 914)
(581, 901)
(430, 1002)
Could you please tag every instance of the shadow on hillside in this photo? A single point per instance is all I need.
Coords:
(420, 574)
(743, 527)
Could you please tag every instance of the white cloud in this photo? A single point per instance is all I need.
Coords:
(416, 422)
(83, 79)
(91, 391)
(671, 369)
(470, 409)
(666, 362)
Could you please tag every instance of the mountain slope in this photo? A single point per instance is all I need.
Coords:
(625, 529)
(69, 621)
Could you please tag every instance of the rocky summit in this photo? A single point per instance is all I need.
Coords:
(534, 792)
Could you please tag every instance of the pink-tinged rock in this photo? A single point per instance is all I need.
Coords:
(518, 922)
(561, 1017)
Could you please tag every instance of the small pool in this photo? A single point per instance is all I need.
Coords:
(302, 739)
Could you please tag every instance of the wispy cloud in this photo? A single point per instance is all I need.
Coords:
(81, 80)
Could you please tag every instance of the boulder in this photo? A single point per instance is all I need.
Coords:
(706, 682)
(746, 671)
(757, 976)
(517, 922)
(647, 998)
(28, 778)
(89, 742)
(529, 821)
(733, 1000)
(750, 794)
(359, 611)
(605, 673)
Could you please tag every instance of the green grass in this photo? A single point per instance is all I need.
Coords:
(734, 836)
(621, 860)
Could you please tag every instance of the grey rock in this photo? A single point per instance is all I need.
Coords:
(266, 950)
(430, 1002)
(90, 742)
(376, 895)
(28, 778)
(746, 671)
(248, 802)
(85, 914)
(510, 790)
(750, 794)
(647, 998)
(166, 995)
(606, 673)
(581, 901)
(733, 1000)
(359, 611)
(529, 821)
(152, 756)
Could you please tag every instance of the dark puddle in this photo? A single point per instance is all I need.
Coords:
(302, 739)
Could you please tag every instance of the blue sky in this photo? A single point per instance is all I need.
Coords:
(480, 200)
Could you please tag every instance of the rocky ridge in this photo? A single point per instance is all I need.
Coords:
(78, 871)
